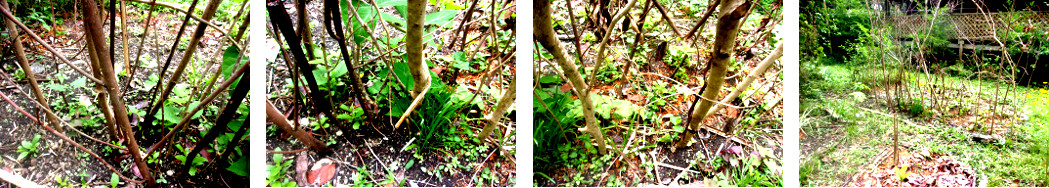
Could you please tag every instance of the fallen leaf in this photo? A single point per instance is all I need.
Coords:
(302, 163)
(735, 149)
(322, 172)
(635, 97)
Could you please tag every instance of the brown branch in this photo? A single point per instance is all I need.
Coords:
(729, 20)
(206, 19)
(222, 122)
(334, 23)
(703, 20)
(7, 14)
(209, 12)
(282, 21)
(24, 63)
(64, 137)
(544, 35)
(601, 55)
(666, 17)
(145, 36)
(758, 71)
(187, 116)
(93, 25)
(281, 121)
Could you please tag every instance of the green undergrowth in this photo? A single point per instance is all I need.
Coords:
(849, 136)
(568, 157)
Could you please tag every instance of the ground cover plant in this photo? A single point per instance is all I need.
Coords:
(891, 104)
(124, 93)
(391, 93)
(618, 87)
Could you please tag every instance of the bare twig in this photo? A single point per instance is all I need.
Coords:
(7, 14)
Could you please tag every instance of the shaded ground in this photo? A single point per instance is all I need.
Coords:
(379, 155)
(643, 115)
(59, 164)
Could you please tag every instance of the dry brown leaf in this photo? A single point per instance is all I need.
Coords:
(322, 172)
(302, 163)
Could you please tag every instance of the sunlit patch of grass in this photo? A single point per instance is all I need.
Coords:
(1021, 154)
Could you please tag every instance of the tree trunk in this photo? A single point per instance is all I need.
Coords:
(415, 46)
(500, 108)
(93, 24)
(729, 19)
(12, 31)
(758, 71)
(420, 72)
(544, 34)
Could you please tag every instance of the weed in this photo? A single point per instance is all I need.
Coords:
(680, 62)
(902, 173)
(29, 148)
(609, 72)
(276, 171)
(197, 161)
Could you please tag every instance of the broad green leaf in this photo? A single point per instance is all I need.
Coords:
(401, 70)
(78, 83)
(392, 18)
(339, 70)
(549, 80)
(170, 114)
(57, 87)
(321, 75)
(343, 116)
(114, 180)
(388, 3)
(450, 5)
(441, 18)
(229, 59)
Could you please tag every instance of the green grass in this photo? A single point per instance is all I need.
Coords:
(831, 112)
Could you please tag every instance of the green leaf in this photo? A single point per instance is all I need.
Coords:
(229, 59)
(392, 18)
(450, 5)
(339, 70)
(401, 70)
(57, 87)
(240, 167)
(321, 75)
(170, 114)
(235, 125)
(343, 116)
(114, 180)
(78, 83)
(389, 3)
(549, 80)
(441, 18)
(410, 164)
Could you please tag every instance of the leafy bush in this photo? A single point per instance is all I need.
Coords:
(553, 124)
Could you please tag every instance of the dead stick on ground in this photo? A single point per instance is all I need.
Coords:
(17, 180)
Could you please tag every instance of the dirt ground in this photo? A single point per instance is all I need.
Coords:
(58, 159)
